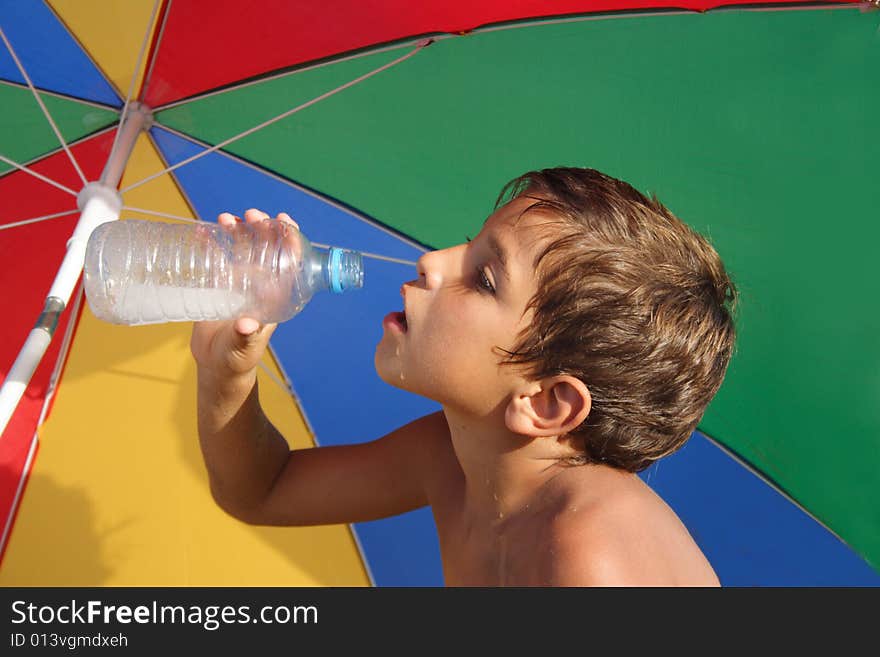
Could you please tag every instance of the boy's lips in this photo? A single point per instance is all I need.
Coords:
(396, 321)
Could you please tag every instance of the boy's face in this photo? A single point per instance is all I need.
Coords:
(467, 300)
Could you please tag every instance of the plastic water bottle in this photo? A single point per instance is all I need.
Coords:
(148, 272)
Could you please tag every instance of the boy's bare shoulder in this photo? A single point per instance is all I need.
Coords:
(435, 446)
(613, 530)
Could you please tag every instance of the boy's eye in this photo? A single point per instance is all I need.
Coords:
(484, 282)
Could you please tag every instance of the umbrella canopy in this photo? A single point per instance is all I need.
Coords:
(390, 129)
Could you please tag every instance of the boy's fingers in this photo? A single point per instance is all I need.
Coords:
(252, 215)
(283, 216)
(226, 219)
(293, 236)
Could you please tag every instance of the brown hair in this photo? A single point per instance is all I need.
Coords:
(631, 301)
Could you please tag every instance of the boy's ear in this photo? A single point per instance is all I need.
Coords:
(550, 407)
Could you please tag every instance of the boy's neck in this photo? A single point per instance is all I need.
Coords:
(504, 472)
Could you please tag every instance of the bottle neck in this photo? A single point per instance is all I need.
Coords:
(342, 270)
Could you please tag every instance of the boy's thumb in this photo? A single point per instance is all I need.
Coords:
(249, 332)
(246, 327)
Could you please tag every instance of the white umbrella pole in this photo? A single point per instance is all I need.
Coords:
(99, 202)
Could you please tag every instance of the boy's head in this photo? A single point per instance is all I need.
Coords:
(609, 317)
(632, 302)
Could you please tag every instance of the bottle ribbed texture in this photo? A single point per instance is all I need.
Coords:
(147, 272)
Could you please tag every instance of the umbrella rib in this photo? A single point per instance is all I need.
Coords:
(580, 19)
(37, 175)
(300, 188)
(276, 379)
(62, 96)
(154, 52)
(810, 7)
(305, 190)
(281, 116)
(134, 75)
(42, 106)
(46, 217)
(288, 73)
(375, 256)
(612, 15)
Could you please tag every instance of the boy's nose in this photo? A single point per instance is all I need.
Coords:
(429, 268)
(436, 267)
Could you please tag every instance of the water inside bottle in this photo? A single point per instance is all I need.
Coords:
(148, 304)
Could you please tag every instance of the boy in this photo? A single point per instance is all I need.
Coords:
(574, 341)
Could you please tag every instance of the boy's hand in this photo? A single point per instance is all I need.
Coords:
(231, 348)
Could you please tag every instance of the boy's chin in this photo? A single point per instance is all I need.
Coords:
(390, 373)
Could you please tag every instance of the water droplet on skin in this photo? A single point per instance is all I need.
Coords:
(401, 376)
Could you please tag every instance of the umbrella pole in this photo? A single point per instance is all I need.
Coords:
(99, 202)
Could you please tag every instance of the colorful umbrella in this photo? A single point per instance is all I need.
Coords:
(389, 127)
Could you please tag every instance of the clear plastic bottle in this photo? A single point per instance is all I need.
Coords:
(148, 272)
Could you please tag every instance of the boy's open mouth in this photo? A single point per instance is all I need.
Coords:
(397, 321)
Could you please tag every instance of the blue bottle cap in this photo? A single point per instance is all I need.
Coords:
(345, 269)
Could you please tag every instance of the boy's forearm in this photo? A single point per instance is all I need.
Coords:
(243, 452)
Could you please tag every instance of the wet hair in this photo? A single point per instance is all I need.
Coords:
(631, 301)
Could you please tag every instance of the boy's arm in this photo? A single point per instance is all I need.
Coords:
(242, 455)
(253, 474)
(256, 478)
(353, 483)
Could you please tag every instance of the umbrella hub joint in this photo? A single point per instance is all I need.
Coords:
(142, 114)
(104, 195)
